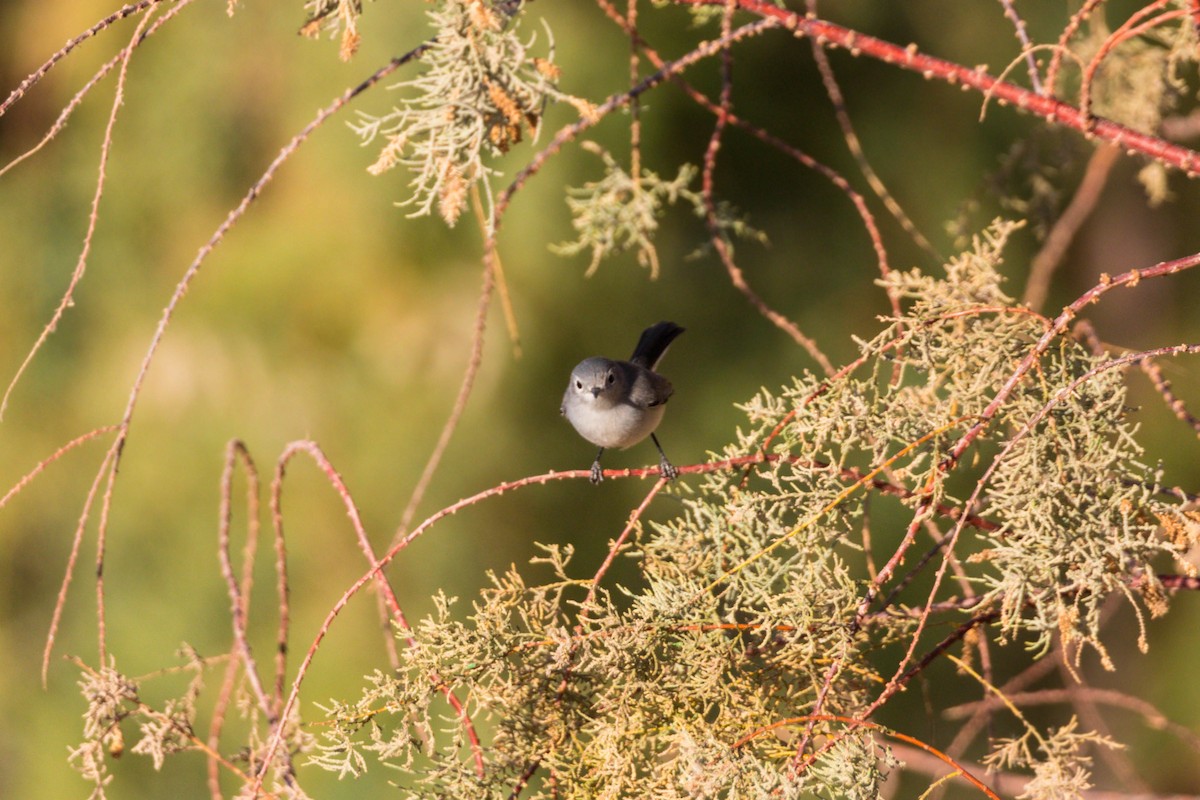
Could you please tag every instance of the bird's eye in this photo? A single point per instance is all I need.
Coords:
(579, 385)
(611, 378)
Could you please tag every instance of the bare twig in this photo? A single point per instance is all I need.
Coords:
(1067, 226)
(98, 76)
(65, 50)
(1163, 386)
(68, 298)
(112, 458)
(1010, 11)
(239, 600)
(912, 59)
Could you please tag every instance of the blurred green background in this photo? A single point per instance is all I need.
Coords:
(328, 314)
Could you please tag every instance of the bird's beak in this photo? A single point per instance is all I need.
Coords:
(596, 390)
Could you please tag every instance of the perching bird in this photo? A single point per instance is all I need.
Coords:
(620, 403)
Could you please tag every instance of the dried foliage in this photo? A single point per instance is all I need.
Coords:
(480, 92)
(335, 16)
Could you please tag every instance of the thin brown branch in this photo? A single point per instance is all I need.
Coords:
(474, 362)
(239, 599)
(65, 50)
(114, 451)
(69, 572)
(68, 298)
(1072, 27)
(716, 236)
(854, 724)
(834, 91)
(1163, 387)
(98, 76)
(1010, 11)
(28, 477)
(1095, 177)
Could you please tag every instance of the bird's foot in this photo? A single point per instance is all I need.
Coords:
(667, 469)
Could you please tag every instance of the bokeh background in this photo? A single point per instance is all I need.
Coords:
(328, 314)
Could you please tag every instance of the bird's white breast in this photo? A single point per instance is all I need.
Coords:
(608, 425)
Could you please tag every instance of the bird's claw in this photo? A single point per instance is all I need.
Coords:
(667, 469)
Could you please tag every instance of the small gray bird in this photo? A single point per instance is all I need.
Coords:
(620, 403)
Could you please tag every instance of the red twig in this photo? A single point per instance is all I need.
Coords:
(716, 236)
(1127, 31)
(113, 455)
(391, 601)
(28, 477)
(68, 296)
(854, 145)
(1163, 386)
(618, 544)
(374, 573)
(63, 52)
(912, 59)
(1064, 38)
(239, 600)
(862, 723)
(313, 450)
(98, 76)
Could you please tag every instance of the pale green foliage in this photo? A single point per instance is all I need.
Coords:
(1060, 767)
(479, 91)
(109, 696)
(1078, 512)
(619, 212)
(750, 604)
(111, 699)
(1142, 78)
(640, 702)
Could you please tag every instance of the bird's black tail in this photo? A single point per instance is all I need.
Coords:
(654, 343)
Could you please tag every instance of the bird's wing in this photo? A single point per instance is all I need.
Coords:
(649, 389)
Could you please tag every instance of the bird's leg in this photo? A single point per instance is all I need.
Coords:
(664, 465)
(597, 473)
